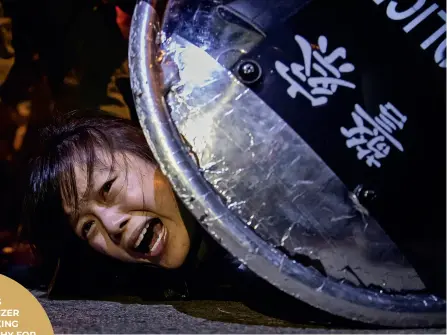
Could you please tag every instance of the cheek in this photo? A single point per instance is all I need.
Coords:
(139, 192)
(137, 198)
(165, 202)
(105, 246)
(99, 243)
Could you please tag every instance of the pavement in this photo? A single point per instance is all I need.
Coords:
(132, 316)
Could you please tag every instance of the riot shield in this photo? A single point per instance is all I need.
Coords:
(308, 138)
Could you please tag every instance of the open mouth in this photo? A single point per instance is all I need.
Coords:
(152, 238)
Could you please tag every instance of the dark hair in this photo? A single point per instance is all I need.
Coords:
(71, 139)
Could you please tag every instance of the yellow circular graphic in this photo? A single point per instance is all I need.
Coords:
(20, 312)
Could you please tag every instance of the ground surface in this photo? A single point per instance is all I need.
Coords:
(131, 317)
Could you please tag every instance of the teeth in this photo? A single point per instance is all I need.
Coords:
(160, 237)
(140, 238)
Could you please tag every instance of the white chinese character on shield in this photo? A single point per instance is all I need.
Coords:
(318, 74)
(372, 137)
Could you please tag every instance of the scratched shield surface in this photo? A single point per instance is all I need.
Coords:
(258, 175)
(273, 180)
(265, 172)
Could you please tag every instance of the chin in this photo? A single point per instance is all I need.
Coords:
(171, 264)
(176, 256)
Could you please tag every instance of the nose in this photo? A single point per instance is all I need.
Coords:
(114, 222)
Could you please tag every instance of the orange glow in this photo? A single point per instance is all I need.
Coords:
(7, 250)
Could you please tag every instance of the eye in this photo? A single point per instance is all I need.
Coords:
(107, 186)
(86, 227)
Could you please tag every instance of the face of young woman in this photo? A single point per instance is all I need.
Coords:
(130, 213)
